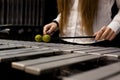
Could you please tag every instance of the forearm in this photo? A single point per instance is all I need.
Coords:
(115, 23)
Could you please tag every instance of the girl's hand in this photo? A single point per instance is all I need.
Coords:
(105, 33)
(50, 28)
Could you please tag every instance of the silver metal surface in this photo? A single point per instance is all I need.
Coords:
(97, 74)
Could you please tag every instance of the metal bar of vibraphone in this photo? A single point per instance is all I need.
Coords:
(41, 68)
(6, 47)
(15, 51)
(23, 43)
(85, 49)
(16, 48)
(81, 49)
(71, 48)
(108, 51)
(115, 77)
(22, 64)
(3, 41)
(27, 55)
(101, 51)
(97, 49)
(114, 54)
(97, 74)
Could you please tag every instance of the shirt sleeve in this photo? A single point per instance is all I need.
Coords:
(58, 18)
(115, 24)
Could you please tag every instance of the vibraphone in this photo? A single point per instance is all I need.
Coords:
(55, 61)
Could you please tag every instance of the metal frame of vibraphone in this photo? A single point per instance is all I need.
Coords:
(59, 61)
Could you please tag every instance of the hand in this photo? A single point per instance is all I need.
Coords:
(105, 33)
(50, 28)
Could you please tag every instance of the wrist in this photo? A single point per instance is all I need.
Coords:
(56, 23)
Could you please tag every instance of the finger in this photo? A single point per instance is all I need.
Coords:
(105, 33)
(45, 29)
(112, 37)
(100, 33)
(95, 34)
(51, 30)
(51, 33)
(109, 35)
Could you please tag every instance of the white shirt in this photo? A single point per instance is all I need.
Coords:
(103, 19)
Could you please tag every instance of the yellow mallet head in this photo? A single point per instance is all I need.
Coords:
(38, 38)
(46, 38)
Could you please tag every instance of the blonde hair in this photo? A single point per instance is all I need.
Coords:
(87, 10)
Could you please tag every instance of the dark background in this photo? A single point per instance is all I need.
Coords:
(25, 18)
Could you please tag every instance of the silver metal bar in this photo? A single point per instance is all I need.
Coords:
(114, 54)
(41, 68)
(108, 51)
(116, 77)
(3, 47)
(20, 51)
(15, 51)
(27, 55)
(78, 49)
(100, 51)
(97, 74)
(22, 64)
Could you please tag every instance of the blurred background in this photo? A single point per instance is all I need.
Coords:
(23, 19)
